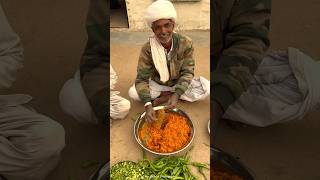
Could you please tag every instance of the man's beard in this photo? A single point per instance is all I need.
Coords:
(164, 38)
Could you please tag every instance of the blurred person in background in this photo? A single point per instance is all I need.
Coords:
(30, 143)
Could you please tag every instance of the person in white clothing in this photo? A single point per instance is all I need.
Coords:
(119, 106)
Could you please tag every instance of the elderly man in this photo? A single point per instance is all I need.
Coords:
(30, 143)
(165, 70)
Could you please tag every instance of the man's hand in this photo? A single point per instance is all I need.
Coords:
(172, 101)
(150, 113)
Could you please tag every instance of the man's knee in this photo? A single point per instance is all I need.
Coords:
(38, 149)
(133, 93)
(121, 109)
(73, 100)
(125, 107)
(48, 139)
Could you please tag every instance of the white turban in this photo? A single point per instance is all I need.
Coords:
(160, 9)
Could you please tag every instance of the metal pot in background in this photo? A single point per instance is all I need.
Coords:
(230, 163)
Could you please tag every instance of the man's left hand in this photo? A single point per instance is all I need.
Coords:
(173, 101)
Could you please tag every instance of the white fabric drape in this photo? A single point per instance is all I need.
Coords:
(285, 87)
(159, 59)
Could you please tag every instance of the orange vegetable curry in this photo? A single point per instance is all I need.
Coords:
(169, 133)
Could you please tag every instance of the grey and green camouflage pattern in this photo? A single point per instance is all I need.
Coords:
(240, 40)
(181, 68)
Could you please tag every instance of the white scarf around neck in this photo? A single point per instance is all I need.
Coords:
(159, 59)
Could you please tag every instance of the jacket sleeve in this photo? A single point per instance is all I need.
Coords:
(97, 47)
(11, 53)
(144, 71)
(94, 67)
(245, 41)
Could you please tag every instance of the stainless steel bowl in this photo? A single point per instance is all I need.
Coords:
(140, 121)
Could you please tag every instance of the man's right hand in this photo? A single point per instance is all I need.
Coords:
(150, 113)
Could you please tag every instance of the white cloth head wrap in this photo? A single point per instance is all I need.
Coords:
(160, 9)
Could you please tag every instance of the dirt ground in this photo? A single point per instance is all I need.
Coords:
(125, 49)
(53, 36)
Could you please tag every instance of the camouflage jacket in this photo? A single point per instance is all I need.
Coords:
(240, 40)
(181, 67)
(94, 68)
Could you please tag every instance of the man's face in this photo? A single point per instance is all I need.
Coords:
(163, 29)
